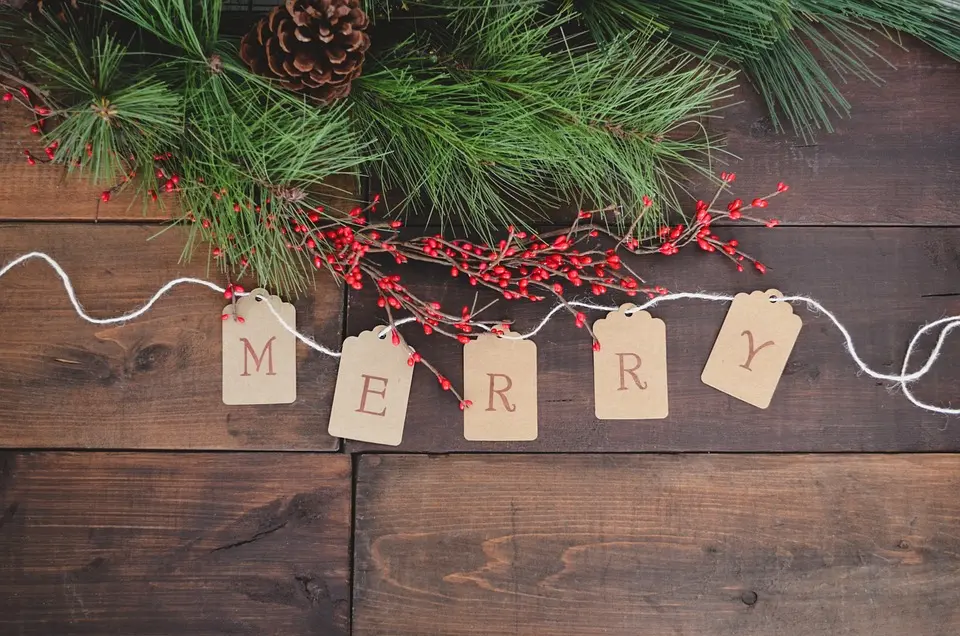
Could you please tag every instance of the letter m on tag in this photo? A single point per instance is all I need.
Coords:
(266, 353)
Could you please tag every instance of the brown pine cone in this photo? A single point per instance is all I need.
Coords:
(313, 46)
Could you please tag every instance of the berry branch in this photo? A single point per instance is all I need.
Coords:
(522, 266)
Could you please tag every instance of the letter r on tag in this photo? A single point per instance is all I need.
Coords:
(630, 368)
(500, 379)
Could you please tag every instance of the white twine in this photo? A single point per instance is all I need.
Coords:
(903, 379)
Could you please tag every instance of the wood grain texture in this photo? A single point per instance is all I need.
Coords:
(883, 283)
(161, 544)
(154, 382)
(637, 545)
(48, 192)
(895, 160)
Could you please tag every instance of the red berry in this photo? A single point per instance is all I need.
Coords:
(782, 187)
(35, 129)
(465, 404)
(217, 251)
(760, 267)
(759, 203)
(596, 345)
(772, 223)
(395, 337)
(7, 97)
(462, 339)
(105, 196)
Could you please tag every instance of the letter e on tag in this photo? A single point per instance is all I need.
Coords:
(752, 349)
(500, 378)
(259, 355)
(373, 386)
(630, 369)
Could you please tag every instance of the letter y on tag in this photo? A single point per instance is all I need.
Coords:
(259, 355)
(373, 386)
(752, 348)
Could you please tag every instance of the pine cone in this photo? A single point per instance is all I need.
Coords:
(313, 46)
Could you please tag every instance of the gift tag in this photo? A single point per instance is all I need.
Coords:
(373, 386)
(500, 379)
(751, 351)
(630, 369)
(259, 355)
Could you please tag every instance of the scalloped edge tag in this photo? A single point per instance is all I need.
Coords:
(500, 378)
(259, 356)
(630, 369)
(372, 391)
(753, 347)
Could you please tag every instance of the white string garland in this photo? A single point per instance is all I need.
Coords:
(903, 379)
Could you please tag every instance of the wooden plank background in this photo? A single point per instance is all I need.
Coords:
(883, 283)
(151, 383)
(259, 543)
(605, 544)
(894, 161)
(172, 543)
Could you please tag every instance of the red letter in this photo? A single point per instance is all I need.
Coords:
(506, 403)
(366, 389)
(267, 351)
(624, 371)
(753, 352)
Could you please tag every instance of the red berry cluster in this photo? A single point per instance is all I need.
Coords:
(522, 266)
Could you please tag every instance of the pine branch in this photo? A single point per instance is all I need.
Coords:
(520, 116)
(792, 50)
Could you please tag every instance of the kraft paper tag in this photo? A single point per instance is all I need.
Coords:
(751, 351)
(500, 379)
(259, 355)
(630, 369)
(373, 386)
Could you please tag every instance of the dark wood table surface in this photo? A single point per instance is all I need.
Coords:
(133, 502)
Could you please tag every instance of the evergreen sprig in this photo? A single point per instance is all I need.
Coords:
(517, 115)
(791, 50)
(489, 112)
